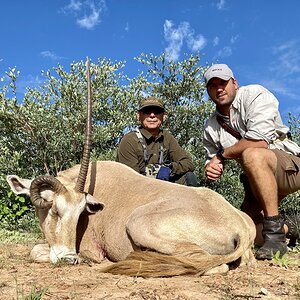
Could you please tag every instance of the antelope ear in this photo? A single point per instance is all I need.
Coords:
(19, 185)
(92, 205)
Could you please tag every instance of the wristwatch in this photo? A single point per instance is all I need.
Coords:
(220, 153)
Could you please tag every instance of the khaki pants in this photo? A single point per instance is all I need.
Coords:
(288, 181)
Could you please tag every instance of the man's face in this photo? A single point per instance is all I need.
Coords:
(151, 118)
(222, 92)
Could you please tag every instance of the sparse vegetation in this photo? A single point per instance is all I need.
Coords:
(21, 277)
(16, 236)
(283, 261)
(297, 289)
(34, 293)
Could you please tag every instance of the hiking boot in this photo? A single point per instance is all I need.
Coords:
(293, 234)
(274, 237)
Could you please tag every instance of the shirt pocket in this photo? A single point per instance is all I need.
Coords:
(296, 161)
(292, 164)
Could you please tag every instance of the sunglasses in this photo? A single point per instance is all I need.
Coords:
(152, 109)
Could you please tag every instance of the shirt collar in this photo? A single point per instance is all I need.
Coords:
(235, 101)
(223, 116)
(149, 136)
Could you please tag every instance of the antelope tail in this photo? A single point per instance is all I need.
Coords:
(188, 259)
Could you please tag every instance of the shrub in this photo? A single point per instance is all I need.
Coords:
(43, 132)
(16, 212)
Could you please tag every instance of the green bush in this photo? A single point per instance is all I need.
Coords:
(16, 212)
(13, 207)
(42, 133)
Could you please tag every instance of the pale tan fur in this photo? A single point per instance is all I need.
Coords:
(184, 230)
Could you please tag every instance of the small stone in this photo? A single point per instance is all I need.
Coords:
(264, 291)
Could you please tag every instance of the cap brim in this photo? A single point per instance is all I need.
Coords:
(223, 77)
(151, 105)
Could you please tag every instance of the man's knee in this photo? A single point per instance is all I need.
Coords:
(253, 157)
(251, 154)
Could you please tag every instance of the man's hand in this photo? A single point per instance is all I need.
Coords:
(214, 169)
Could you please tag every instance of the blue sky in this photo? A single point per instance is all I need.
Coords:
(259, 40)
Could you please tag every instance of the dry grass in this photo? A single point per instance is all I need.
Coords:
(21, 278)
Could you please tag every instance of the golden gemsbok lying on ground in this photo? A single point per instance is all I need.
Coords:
(149, 227)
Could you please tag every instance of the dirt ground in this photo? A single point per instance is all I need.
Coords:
(20, 278)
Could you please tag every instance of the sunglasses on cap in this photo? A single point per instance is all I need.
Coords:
(152, 109)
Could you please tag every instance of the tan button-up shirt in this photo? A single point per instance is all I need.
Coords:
(254, 114)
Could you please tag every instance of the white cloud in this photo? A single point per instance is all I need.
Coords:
(127, 27)
(91, 20)
(285, 71)
(224, 52)
(278, 87)
(287, 59)
(74, 5)
(216, 41)
(234, 39)
(197, 43)
(287, 94)
(220, 4)
(87, 13)
(51, 55)
(176, 36)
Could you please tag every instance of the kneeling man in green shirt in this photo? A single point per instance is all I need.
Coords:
(155, 152)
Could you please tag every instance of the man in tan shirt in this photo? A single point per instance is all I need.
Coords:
(247, 127)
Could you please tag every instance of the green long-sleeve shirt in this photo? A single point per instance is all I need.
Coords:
(130, 152)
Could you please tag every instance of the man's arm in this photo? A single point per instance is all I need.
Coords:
(235, 151)
(127, 153)
(214, 168)
(181, 161)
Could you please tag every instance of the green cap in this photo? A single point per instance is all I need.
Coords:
(151, 101)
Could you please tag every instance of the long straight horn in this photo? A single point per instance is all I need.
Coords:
(88, 135)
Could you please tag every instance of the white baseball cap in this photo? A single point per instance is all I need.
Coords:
(218, 70)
